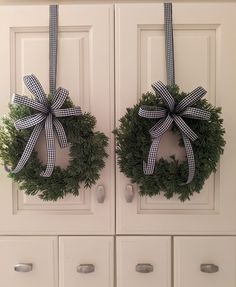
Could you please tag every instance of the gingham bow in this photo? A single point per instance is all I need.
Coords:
(47, 115)
(173, 113)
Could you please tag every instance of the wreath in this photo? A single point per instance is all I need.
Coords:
(87, 153)
(168, 176)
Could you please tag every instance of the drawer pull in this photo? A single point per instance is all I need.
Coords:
(100, 193)
(85, 268)
(209, 268)
(23, 267)
(144, 268)
(129, 193)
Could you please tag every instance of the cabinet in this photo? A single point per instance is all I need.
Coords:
(109, 54)
(205, 55)
(85, 49)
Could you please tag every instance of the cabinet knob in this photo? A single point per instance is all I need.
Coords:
(144, 268)
(209, 268)
(85, 268)
(100, 193)
(129, 193)
(23, 267)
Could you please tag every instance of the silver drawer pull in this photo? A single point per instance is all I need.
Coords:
(144, 268)
(23, 267)
(129, 193)
(100, 193)
(85, 268)
(209, 268)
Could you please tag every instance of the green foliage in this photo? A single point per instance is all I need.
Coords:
(87, 154)
(134, 141)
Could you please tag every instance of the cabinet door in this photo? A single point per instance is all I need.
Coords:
(28, 261)
(85, 68)
(143, 261)
(205, 261)
(205, 46)
(86, 261)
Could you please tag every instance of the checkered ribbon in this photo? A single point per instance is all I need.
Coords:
(46, 118)
(173, 113)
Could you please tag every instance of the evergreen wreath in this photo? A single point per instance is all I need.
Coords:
(133, 144)
(87, 153)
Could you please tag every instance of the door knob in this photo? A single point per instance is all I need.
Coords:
(209, 268)
(85, 268)
(144, 268)
(23, 267)
(129, 193)
(100, 193)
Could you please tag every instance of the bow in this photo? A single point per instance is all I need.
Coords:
(47, 115)
(173, 113)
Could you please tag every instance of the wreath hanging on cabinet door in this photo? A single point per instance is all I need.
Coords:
(197, 122)
(57, 115)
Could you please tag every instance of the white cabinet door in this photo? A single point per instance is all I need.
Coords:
(205, 45)
(86, 261)
(28, 261)
(85, 68)
(204, 261)
(143, 261)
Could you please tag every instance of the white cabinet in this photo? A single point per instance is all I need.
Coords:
(28, 261)
(85, 68)
(205, 55)
(86, 261)
(204, 261)
(143, 261)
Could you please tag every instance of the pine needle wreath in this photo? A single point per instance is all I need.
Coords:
(87, 154)
(133, 144)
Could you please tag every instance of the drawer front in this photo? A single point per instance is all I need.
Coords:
(28, 261)
(205, 261)
(86, 261)
(143, 261)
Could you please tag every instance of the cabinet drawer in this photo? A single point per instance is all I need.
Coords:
(86, 261)
(143, 261)
(205, 261)
(28, 261)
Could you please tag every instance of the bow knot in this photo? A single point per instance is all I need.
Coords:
(173, 113)
(48, 110)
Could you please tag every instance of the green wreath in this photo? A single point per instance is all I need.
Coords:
(87, 153)
(133, 144)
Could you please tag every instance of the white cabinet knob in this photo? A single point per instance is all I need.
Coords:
(100, 193)
(23, 267)
(85, 268)
(209, 268)
(144, 268)
(129, 193)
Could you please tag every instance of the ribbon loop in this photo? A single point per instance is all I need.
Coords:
(29, 121)
(162, 91)
(59, 98)
(76, 111)
(25, 101)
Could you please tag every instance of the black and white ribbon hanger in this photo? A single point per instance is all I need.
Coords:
(48, 110)
(172, 113)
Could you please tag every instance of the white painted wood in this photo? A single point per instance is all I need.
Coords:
(135, 250)
(76, 251)
(41, 252)
(204, 55)
(191, 252)
(85, 68)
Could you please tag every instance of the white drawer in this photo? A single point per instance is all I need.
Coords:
(215, 252)
(18, 252)
(143, 261)
(86, 261)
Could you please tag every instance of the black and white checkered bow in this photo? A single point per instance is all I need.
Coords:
(48, 112)
(173, 113)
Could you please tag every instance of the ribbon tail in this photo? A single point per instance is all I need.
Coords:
(190, 158)
(50, 142)
(29, 147)
(61, 135)
(148, 168)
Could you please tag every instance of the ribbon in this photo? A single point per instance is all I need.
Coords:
(173, 113)
(45, 118)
